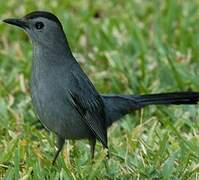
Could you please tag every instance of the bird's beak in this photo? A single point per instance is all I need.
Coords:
(17, 22)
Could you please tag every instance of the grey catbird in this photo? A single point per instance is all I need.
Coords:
(64, 98)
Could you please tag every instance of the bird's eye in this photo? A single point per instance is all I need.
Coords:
(39, 25)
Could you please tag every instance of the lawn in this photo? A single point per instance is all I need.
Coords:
(125, 47)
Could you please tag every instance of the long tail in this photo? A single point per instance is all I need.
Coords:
(120, 105)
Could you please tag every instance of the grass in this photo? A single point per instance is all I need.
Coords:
(124, 47)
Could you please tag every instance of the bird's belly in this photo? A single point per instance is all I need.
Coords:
(57, 114)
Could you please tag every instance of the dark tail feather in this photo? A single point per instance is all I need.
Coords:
(169, 98)
(119, 105)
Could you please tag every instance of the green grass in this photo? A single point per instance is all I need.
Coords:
(125, 47)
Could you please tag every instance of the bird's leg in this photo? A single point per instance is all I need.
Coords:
(92, 142)
(60, 143)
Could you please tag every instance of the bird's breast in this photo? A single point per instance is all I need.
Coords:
(52, 105)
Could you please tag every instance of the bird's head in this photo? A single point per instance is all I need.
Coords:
(42, 27)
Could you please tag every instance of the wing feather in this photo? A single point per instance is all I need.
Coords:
(89, 105)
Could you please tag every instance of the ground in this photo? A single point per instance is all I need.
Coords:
(125, 47)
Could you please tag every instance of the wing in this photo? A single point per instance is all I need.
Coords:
(89, 104)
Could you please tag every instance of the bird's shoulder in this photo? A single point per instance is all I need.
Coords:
(81, 83)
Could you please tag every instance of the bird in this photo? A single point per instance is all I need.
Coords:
(63, 97)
